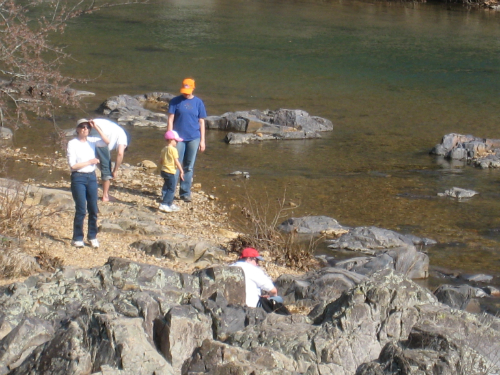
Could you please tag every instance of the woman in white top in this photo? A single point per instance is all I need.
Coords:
(82, 161)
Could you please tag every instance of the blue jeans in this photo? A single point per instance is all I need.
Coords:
(84, 190)
(187, 156)
(168, 190)
(104, 156)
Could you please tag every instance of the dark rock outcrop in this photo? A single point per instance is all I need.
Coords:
(403, 260)
(457, 297)
(388, 249)
(131, 318)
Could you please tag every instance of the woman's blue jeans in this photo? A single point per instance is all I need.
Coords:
(168, 190)
(187, 156)
(84, 190)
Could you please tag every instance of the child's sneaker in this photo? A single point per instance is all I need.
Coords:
(77, 243)
(164, 208)
(174, 207)
(94, 243)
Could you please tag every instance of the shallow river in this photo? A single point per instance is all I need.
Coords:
(392, 78)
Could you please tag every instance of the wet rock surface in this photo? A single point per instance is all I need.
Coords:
(482, 152)
(269, 125)
(458, 193)
(253, 126)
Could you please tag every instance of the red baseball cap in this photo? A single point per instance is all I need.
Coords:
(250, 252)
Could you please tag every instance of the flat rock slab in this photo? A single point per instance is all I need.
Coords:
(312, 225)
(371, 239)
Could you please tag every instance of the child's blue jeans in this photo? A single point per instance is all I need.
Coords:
(168, 190)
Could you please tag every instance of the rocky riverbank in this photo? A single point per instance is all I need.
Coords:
(133, 219)
(158, 298)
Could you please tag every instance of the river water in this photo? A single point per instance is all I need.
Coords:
(392, 78)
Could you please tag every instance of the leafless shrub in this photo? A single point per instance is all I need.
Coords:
(259, 227)
(30, 76)
(19, 218)
(18, 215)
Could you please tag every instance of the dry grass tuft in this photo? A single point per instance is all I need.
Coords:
(19, 219)
(14, 262)
(48, 263)
(18, 216)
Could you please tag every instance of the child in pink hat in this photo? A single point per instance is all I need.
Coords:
(169, 161)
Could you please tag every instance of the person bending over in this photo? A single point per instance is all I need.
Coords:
(119, 141)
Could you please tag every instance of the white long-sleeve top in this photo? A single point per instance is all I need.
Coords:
(79, 151)
(256, 280)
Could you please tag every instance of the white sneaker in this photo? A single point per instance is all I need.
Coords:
(77, 243)
(174, 207)
(94, 243)
(164, 208)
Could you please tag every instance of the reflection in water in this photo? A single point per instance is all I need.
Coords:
(393, 79)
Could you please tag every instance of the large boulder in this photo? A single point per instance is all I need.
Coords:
(457, 296)
(324, 285)
(129, 110)
(404, 260)
(269, 125)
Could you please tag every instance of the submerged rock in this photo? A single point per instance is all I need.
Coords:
(5, 134)
(458, 193)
